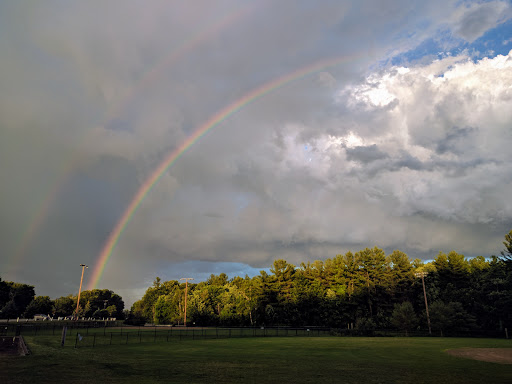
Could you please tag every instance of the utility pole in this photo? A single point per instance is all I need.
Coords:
(422, 275)
(80, 289)
(186, 291)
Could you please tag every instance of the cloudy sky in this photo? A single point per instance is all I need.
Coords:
(397, 134)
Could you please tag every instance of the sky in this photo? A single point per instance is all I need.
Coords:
(180, 139)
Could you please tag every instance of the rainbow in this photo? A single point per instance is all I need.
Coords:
(187, 46)
(212, 122)
(148, 78)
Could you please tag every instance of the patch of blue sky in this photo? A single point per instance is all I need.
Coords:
(201, 270)
(496, 41)
(429, 48)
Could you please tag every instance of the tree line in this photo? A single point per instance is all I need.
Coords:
(20, 300)
(362, 290)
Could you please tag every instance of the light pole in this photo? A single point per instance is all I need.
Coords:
(80, 289)
(422, 275)
(186, 291)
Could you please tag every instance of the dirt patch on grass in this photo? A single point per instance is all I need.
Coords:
(493, 355)
(13, 346)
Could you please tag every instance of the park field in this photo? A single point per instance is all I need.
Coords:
(257, 360)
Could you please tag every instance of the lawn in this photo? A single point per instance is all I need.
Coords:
(257, 360)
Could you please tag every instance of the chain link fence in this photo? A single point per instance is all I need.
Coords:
(125, 336)
(101, 333)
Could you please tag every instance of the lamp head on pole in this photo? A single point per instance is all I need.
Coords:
(83, 265)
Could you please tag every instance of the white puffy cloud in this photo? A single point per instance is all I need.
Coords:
(445, 136)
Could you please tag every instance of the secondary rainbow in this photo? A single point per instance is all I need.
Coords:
(212, 122)
(149, 77)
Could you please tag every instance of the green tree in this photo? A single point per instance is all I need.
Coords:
(40, 304)
(112, 310)
(450, 316)
(9, 311)
(282, 270)
(100, 298)
(136, 316)
(100, 314)
(218, 281)
(162, 313)
(88, 309)
(63, 306)
(400, 276)
(404, 317)
(20, 296)
(360, 288)
(507, 252)
(4, 293)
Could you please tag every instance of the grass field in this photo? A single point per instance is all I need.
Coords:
(257, 360)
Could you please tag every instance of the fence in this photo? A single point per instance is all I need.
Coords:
(91, 334)
(173, 334)
(125, 336)
(15, 328)
(477, 333)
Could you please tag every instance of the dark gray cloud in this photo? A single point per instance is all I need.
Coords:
(477, 18)
(365, 154)
(454, 140)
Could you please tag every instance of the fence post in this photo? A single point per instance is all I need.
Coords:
(230, 333)
(110, 338)
(76, 339)
(127, 333)
(167, 336)
(63, 337)
(94, 340)
(154, 339)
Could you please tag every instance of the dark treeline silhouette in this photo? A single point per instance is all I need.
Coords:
(364, 290)
(20, 300)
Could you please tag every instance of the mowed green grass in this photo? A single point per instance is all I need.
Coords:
(257, 360)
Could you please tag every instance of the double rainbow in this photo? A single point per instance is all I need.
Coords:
(212, 122)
